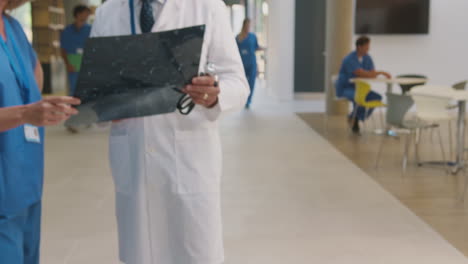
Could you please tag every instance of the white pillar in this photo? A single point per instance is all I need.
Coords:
(280, 68)
(339, 27)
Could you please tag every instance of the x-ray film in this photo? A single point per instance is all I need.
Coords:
(137, 75)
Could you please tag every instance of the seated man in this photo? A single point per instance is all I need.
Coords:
(358, 64)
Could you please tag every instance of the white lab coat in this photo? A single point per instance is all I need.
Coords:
(167, 168)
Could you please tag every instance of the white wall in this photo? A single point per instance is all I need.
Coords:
(280, 68)
(442, 55)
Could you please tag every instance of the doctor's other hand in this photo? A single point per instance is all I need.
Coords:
(204, 90)
(51, 110)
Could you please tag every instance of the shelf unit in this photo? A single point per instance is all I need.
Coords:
(48, 19)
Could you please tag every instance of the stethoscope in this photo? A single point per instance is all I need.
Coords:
(185, 104)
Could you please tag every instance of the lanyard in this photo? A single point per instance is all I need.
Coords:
(20, 72)
(132, 16)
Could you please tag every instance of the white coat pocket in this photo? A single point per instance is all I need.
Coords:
(198, 161)
(119, 156)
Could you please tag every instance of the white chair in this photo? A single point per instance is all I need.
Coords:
(433, 110)
(397, 119)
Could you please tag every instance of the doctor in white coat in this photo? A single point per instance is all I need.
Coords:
(167, 168)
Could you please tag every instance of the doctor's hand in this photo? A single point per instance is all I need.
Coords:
(204, 91)
(51, 110)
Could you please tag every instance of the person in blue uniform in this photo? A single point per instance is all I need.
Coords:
(72, 42)
(248, 45)
(22, 113)
(358, 64)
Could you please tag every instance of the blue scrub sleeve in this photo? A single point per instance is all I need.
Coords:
(371, 64)
(65, 39)
(351, 66)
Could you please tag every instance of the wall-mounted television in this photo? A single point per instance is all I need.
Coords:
(392, 16)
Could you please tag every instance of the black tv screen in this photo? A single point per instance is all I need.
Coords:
(392, 16)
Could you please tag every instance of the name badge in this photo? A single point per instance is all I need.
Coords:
(31, 134)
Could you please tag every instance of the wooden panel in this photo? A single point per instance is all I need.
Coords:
(48, 19)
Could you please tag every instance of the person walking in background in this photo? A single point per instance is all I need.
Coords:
(72, 41)
(248, 45)
(358, 64)
(22, 114)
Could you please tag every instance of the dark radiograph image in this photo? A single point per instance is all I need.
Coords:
(134, 76)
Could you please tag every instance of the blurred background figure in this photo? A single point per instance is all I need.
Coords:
(72, 41)
(248, 46)
(358, 64)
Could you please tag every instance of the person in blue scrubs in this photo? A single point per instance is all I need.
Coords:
(72, 42)
(22, 114)
(248, 45)
(358, 64)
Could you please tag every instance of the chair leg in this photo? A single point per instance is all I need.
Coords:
(379, 152)
(364, 123)
(417, 142)
(463, 195)
(353, 117)
(406, 154)
(374, 123)
(382, 121)
(444, 159)
(432, 135)
(450, 141)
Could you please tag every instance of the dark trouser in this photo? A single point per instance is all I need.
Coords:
(251, 74)
(72, 79)
(20, 236)
(361, 111)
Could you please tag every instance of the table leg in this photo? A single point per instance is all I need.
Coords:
(389, 87)
(387, 130)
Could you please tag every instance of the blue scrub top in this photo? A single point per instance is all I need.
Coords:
(349, 65)
(247, 49)
(21, 162)
(72, 38)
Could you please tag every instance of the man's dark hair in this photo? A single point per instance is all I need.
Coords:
(362, 40)
(80, 9)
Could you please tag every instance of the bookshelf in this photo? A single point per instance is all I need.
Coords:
(48, 20)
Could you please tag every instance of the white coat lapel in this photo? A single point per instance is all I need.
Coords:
(167, 20)
(124, 14)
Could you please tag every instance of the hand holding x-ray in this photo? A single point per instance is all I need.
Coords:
(204, 90)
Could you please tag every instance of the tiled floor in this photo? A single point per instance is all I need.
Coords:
(428, 191)
(288, 197)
